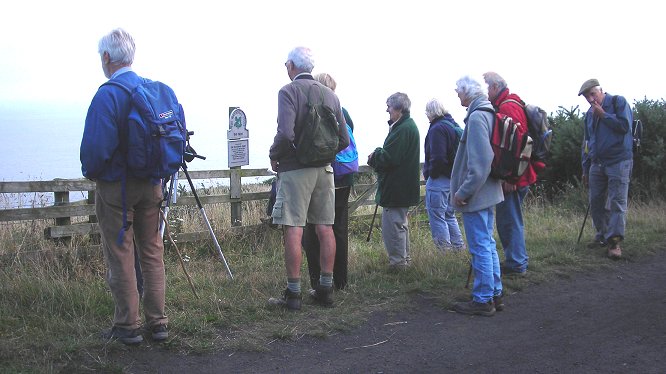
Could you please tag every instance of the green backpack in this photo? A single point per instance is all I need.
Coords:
(317, 135)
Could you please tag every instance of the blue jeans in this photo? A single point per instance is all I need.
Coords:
(609, 186)
(443, 223)
(511, 230)
(485, 262)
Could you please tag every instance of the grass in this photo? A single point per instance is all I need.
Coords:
(54, 301)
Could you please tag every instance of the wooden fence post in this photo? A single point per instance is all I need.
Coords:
(62, 198)
(235, 196)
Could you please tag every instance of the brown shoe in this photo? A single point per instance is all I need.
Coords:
(614, 250)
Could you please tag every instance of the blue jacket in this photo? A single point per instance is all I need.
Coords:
(100, 155)
(470, 179)
(608, 140)
(440, 147)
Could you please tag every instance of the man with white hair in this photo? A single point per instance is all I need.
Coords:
(139, 199)
(305, 194)
(475, 194)
(607, 164)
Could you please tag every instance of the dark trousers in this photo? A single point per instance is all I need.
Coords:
(341, 232)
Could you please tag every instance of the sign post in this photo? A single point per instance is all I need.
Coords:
(238, 155)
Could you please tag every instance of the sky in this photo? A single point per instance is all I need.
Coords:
(221, 54)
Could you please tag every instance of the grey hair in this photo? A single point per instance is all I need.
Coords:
(119, 45)
(469, 87)
(435, 109)
(326, 80)
(302, 59)
(399, 101)
(494, 79)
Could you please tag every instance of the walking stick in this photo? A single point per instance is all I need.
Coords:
(469, 275)
(372, 224)
(582, 227)
(180, 257)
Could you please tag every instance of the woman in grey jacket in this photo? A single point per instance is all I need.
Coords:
(475, 194)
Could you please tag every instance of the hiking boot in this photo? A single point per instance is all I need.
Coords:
(511, 271)
(397, 268)
(461, 247)
(474, 308)
(498, 301)
(126, 336)
(614, 250)
(290, 300)
(159, 333)
(596, 244)
(322, 295)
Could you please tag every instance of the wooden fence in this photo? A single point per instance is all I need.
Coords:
(62, 211)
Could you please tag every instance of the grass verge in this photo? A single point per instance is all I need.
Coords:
(54, 304)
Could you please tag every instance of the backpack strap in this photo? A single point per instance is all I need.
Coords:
(321, 93)
(117, 84)
(485, 109)
(521, 103)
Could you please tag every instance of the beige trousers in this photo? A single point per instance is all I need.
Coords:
(142, 202)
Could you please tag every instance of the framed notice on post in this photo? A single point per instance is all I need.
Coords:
(238, 138)
(239, 154)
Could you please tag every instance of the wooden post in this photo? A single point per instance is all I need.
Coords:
(235, 196)
(62, 198)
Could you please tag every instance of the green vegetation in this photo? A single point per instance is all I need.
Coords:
(54, 301)
(649, 173)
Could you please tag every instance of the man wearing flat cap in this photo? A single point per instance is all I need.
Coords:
(607, 164)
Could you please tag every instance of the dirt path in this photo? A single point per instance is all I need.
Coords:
(611, 321)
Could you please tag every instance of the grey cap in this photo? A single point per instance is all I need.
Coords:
(587, 85)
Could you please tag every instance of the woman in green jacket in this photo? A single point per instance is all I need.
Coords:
(398, 178)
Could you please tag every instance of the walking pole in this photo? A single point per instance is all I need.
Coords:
(582, 227)
(170, 198)
(205, 218)
(469, 275)
(180, 257)
(372, 224)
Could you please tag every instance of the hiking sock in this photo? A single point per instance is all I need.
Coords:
(294, 285)
(326, 279)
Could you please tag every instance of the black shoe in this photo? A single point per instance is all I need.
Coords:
(498, 301)
(474, 308)
(126, 336)
(596, 244)
(322, 295)
(290, 300)
(159, 333)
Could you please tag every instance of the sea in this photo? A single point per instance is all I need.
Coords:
(37, 148)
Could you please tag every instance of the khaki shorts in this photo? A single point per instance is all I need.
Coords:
(305, 195)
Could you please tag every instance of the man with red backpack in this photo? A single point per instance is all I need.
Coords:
(509, 215)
